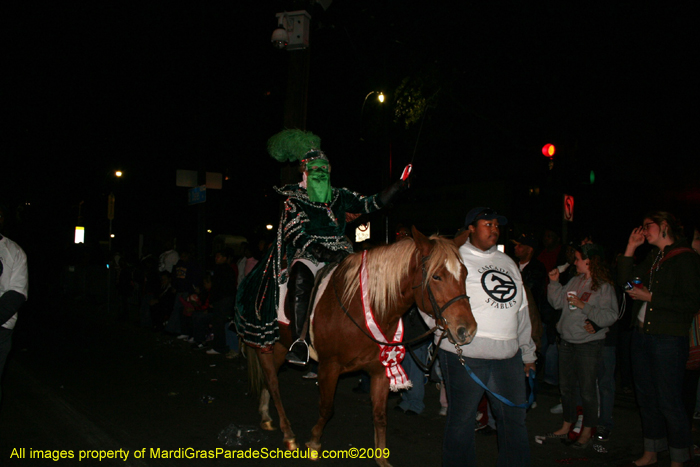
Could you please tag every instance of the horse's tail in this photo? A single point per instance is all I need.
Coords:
(256, 378)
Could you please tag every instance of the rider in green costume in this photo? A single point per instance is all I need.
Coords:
(311, 234)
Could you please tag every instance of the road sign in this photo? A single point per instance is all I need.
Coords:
(568, 208)
(197, 195)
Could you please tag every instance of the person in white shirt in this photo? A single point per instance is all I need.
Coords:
(168, 259)
(13, 290)
(500, 355)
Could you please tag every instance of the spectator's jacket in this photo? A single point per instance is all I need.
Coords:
(600, 306)
(13, 281)
(675, 289)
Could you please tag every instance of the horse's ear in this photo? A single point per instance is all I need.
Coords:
(461, 238)
(422, 242)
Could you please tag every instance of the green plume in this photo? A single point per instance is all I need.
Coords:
(291, 145)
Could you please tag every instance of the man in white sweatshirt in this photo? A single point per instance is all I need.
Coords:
(500, 355)
(13, 289)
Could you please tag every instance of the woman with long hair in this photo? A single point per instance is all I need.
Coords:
(589, 297)
(664, 304)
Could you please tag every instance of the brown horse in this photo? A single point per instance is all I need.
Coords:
(426, 271)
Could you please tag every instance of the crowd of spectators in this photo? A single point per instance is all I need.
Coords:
(598, 320)
(176, 295)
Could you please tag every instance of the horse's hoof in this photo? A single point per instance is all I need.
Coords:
(267, 426)
(313, 451)
(291, 444)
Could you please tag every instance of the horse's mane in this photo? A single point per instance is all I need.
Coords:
(388, 265)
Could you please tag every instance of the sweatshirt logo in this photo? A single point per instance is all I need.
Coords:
(499, 286)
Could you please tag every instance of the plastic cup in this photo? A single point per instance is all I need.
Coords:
(571, 294)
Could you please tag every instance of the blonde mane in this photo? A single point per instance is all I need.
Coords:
(388, 265)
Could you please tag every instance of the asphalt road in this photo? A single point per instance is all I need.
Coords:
(79, 380)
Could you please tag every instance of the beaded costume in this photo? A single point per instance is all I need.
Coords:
(302, 224)
(311, 233)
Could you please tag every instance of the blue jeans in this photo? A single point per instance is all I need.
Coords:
(174, 325)
(578, 366)
(606, 386)
(551, 359)
(659, 365)
(504, 377)
(231, 337)
(5, 346)
(412, 399)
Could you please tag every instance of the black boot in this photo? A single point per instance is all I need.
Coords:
(301, 283)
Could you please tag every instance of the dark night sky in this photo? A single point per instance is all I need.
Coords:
(159, 87)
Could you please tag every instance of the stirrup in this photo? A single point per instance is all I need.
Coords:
(294, 357)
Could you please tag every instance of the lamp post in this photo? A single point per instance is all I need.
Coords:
(380, 98)
(292, 34)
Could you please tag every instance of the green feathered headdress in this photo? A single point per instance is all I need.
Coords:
(292, 145)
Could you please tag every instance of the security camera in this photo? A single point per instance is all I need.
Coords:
(279, 38)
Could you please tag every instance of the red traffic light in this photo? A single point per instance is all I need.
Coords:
(548, 150)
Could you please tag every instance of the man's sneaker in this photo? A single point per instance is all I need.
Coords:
(310, 375)
(443, 411)
(213, 352)
(183, 336)
(602, 433)
(557, 409)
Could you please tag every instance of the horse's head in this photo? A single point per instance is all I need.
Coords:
(440, 286)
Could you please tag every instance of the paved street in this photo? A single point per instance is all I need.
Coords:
(80, 380)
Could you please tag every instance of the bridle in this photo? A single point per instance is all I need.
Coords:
(440, 321)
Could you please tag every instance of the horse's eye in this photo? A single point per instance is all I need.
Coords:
(436, 277)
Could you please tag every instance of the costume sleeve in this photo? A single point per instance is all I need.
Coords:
(525, 342)
(357, 203)
(293, 229)
(555, 295)
(684, 297)
(603, 310)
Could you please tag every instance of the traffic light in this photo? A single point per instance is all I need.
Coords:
(548, 150)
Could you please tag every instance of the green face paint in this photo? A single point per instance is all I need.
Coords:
(318, 182)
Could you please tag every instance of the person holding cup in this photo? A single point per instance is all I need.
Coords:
(588, 298)
(664, 306)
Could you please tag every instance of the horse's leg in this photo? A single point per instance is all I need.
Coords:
(270, 369)
(327, 382)
(380, 392)
(264, 411)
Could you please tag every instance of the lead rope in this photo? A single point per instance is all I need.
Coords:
(531, 380)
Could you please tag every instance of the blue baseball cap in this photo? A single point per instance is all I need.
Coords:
(480, 213)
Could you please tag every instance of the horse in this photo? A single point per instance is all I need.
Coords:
(426, 271)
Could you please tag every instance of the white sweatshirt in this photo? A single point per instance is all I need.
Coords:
(498, 302)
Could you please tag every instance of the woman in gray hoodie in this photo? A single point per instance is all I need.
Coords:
(589, 297)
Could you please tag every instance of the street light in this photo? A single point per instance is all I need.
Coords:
(380, 98)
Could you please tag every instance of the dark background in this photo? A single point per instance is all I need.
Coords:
(152, 88)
